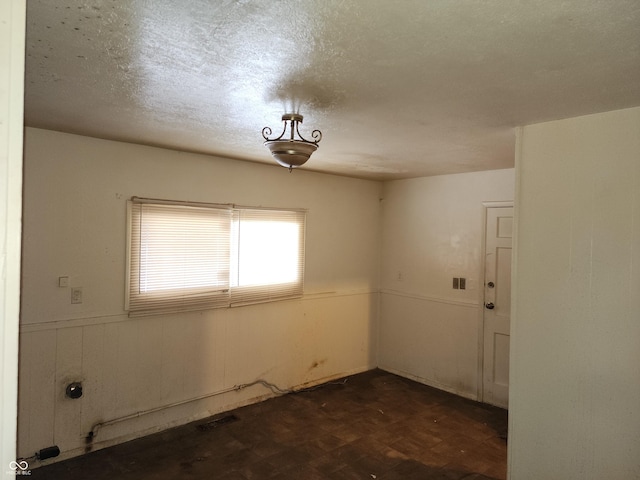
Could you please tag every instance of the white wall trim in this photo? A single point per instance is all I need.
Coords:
(123, 317)
(417, 296)
(72, 323)
(505, 203)
(12, 39)
(513, 358)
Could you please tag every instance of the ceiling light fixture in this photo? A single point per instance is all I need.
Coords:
(291, 152)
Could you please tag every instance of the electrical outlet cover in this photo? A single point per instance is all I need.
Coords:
(76, 295)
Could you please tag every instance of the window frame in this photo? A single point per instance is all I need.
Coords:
(247, 295)
(180, 300)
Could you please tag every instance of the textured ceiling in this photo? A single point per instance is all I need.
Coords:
(399, 89)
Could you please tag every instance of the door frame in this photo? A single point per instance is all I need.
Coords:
(481, 291)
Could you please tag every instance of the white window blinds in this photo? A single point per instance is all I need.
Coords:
(194, 256)
(267, 255)
(179, 257)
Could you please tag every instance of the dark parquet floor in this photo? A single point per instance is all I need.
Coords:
(371, 426)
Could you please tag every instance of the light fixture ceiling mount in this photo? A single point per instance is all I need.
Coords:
(289, 151)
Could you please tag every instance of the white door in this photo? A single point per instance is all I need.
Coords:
(497, 306)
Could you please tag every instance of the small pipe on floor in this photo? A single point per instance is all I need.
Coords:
(94, 430)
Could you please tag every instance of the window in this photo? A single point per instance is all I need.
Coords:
(267, 252)
(186, 256)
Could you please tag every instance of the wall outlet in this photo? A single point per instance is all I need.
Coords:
(456, 282)
(76, 295)
(463, 283)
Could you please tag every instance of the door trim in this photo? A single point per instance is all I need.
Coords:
(481, 290)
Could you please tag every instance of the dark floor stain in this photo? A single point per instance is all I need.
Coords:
(375, 426)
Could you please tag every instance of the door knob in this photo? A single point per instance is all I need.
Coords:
(491, 284)
(489, 306)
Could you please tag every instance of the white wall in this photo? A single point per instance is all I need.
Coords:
(575, 351)
(432, 231)
(12, 40)
(74, 207)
